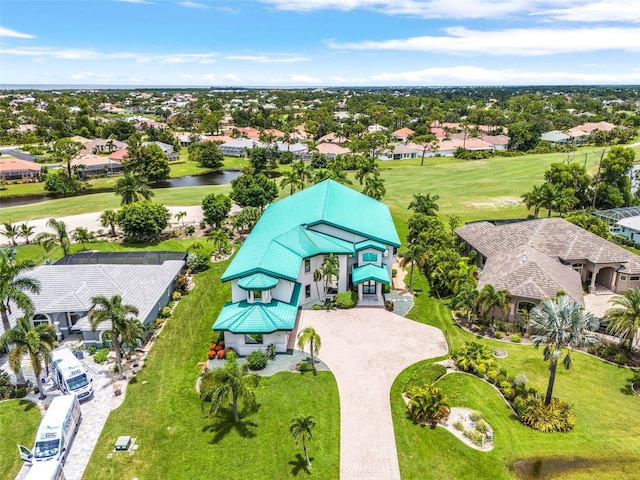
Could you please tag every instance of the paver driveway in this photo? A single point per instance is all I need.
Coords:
(366, 349)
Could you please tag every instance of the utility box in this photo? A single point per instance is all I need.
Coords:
(122, 444)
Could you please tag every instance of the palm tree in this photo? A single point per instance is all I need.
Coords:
(489, 299)
(374, 187)
(133, 188)
(114, 311)
(366, 168)
(303, 170)
(330, 269)
(220, 240)
(133, 332)
(11, 232)
(230, 382)
(625, 319)
(25, 231)
(428, 404)
(180, 217)
(559, 324)
(13, 284)
(291, 178)
(549, 195)
(310, 336)
(425, 204)
(534, 199)
(108, 219)
(37, 342)
(81, 235)
(413, 255)
(337, 174)
(48, 240)
(466, 299)
(110, 145)
(301, 429)
(317, 277)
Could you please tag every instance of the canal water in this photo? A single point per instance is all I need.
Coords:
(223, 177)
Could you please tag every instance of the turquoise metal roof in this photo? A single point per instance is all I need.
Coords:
(257, 281)
(243, 317)
(273, 248)
(370, 272)
(370, 244)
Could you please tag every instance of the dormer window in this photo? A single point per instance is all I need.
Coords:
(369, 257)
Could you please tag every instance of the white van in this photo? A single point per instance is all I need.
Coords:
(46, 471)
(69, 375)
(56, 431)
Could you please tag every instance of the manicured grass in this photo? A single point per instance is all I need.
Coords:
(606, 411)
(19, 420)
(178, 441)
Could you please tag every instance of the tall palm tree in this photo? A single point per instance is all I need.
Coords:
(25, 231)
(114, 311)
(489, 299)
(413, 255)
(81, 235)
(624, 319)
(310, 336)
(317, 278)
(15, 286)
(550, 194)
(366, 168)
(180, 217)
(303, 171)
(560, 324)
(48, 240)
(301, 430)
(466, 299)
(11, 232)
(133, 332)
(425, 204)
(292, 178)
(374, 187)
(219, 238)
(337, 174)
(37, 342)
(534, 199)
(330, 269)
(231, 382)
(132, 188)
(108, 219)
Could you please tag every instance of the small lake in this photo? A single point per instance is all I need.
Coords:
(223, 177)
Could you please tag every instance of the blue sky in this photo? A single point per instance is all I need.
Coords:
(320, 42)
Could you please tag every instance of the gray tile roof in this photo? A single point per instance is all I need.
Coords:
(69, 288)
(530, 274)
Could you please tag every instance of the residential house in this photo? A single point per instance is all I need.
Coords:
(273, 272)
(333, 138)
(555, 137)
(400, 151)
(535, 259)
(67, 287)
(402, 134)
(166, 148)
(17, 169)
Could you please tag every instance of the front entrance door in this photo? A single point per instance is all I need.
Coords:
(369, 287)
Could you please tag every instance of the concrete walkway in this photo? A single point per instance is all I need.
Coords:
(366, 349)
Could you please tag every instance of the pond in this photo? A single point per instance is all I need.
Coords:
(223, 177)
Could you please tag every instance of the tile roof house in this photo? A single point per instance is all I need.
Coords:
(534, 259)
(66, 291)
(402, 134)
(16, 169)
(272, 274)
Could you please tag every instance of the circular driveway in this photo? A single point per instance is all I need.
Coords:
(366, 349)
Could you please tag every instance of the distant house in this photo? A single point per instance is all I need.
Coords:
(402, 134)
(240, 146)
(591, 127)
(448, 147)
(16, 169)
(399, 151)
(247, 132)
(99, 145)
(534, 259)
(166, 148)
(499, 142)
(67, 287)
(272, 274)
(333, 138)
(376, 128)
(187, 138)
(92, 165)
(555, 137)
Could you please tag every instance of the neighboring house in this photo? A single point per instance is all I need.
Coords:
(402, 134)
(499, 142)
(331, 150)
(67, 287)
(629, 228)
(101, 145)
(186, 138)
(93, 165)
(376, 128)
(578, 136)
(555, 137)
(534, 259)
(247, 132)
(166, 148)
(272, 274)
(16, 169)
(591, 127)
(333, 138)
(399, 151)
(448, 147)
(240, 146)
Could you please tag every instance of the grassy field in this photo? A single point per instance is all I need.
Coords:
(178, 441)
(19, 420)
(605, 437)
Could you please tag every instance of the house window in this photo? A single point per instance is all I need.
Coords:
(525, 307)
(369, 287)
(634, 279)
(257, 295)
(307, 291)
(369, 257)
(307, 265)
(623, 277)
(577, 267)
(253, 339)
(40, 319)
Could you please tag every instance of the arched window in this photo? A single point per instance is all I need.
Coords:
(369, 257)
(40, 318)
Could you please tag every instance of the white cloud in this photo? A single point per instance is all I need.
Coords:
(136, 1)
(91, 76)
(458, 9)
(303, 79)
(188, 4)
(599, 11)
(7, 32)
(520, 41)
(186, 76)
(220, 77)
(90, 54)
(336, 78)
(469, 75)
(267, 59)
(229, 10)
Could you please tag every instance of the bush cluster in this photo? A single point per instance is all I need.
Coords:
(305, 367)
(257, 360)
(101, 356)
(555, 417)
(347, 299)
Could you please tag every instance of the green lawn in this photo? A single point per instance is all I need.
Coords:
(177, 440)
(19, 420)
(606, 410)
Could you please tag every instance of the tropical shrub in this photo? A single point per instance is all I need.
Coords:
(5, 384)
(458, 426)
(474, 358)
(499, 335)
(516, 338)
(198, 262)
(386, 288)
(555, 417)
(476, 437)
(165, 312)
(427, 404)
(175, 296)
(189, 229)
(92, 350)
(257, 360)
(305, 367)
(101, 355)
(182, 284)
(346, 299)
(482, 426)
